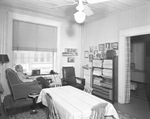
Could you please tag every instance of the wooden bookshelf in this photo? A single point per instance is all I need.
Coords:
(105, 78)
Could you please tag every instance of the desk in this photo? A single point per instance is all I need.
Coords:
(72, 103)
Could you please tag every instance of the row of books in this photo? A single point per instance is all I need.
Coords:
(101, 82)
(104, 72)
(102, 63)
(103, 93)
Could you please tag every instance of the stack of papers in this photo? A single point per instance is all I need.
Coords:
(97, 81)
(97, 72)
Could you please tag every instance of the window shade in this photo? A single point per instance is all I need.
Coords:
(34, 37)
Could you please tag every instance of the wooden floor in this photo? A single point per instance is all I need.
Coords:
(137, 108)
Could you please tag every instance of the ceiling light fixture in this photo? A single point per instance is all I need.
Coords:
(80, 15)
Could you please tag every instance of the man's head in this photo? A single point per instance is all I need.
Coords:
(19, 68)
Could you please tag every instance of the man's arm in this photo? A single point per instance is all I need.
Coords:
(24, 78)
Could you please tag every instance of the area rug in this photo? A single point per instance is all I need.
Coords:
(125, 116)
(42, 114)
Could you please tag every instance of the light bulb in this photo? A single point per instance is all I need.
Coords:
(79, 16)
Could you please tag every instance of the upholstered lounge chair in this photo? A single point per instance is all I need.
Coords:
(18, 88)
(18, 100)
(69, 78)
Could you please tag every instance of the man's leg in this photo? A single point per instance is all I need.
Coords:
(43, 82)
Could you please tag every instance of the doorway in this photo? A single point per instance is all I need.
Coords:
(139, 66)
(123, 64)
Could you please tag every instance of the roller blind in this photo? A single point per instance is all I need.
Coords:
(34, 37)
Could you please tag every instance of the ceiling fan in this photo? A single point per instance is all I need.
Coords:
(83, 9)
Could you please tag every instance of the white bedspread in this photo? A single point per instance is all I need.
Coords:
(73, 103)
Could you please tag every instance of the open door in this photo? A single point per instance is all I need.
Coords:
(147, 70)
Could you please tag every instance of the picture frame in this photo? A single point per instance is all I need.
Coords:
(114, 45)
(86, 54)
(71, 59)
(101, 47)
(107, 46)
(70, 52)
(90, 57)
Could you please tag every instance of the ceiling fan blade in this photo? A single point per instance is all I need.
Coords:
(87, 10)
(96, 1)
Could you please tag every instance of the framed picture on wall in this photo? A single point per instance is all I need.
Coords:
(90, 57)
(107, 46)
(86, 54)
(70, 52)
(70, 59)
(114, 45)
(101, 47)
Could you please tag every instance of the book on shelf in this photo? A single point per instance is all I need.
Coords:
(97, 71)
(106, 85)
(107, 73)
(107, 64)
(107, 95)
(97, 63)
(101, 94)
(97, 81)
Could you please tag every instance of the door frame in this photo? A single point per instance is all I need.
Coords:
(122, 74)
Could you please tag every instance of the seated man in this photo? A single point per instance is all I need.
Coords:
(25, 78)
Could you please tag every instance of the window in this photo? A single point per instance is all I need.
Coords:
(35, 60)
(42, 57)
(22, 57)
(48, 56)
(35, 56)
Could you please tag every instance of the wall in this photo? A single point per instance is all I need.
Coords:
(138, 53)
(69, 37)
(108, 29)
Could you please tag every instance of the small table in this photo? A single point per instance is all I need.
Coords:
(34, 96)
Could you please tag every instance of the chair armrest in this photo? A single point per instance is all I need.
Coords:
(81, 80)
(22, 90)
(109, 117)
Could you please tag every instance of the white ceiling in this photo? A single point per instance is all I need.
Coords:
(65, 9)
